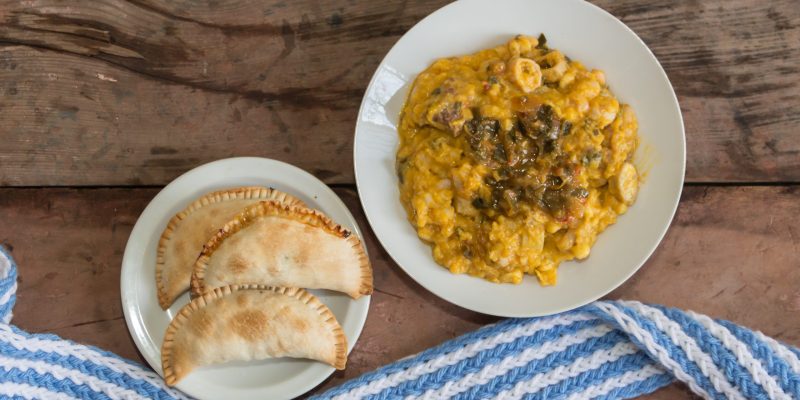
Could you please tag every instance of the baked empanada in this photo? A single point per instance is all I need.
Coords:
(241, 323)
(187, 232)
(277, 244)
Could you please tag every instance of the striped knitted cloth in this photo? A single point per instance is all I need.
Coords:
(606, 350)
(41, 366)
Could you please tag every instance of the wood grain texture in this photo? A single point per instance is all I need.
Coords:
(118, 93)
(735, 66)
(134, 93)
(719, 258)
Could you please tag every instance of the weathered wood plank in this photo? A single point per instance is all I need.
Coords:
(71, 120)
(111, 92)
(132, 93)
(735, 66)
(290, 51)
(720, 258)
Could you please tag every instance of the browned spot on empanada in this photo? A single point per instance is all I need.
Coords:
(298, 324)
(238, 265)
(249, 324)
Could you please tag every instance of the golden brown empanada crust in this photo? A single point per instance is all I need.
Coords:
(242, 193)
(304, 215)
(307, 298)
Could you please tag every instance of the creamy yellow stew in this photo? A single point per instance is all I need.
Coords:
(514, 159)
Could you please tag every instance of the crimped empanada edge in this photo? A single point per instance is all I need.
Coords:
(304, 215)
(307, 298)
(183, 315)
(365, 288)
(245, 192)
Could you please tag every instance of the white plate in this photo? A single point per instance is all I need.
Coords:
(583, 32)
(147, 322)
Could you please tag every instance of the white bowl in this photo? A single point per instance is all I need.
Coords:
(147, 322)
(587, 34)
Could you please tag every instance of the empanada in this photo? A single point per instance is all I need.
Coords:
(277, 244)
(240, 323)
(187, 232)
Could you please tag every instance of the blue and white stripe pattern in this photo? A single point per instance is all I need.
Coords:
(606, 350)
(41, 366)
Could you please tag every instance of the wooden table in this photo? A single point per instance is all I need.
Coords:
(104, 102)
